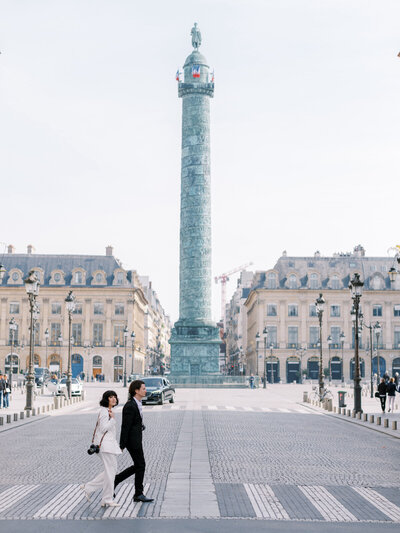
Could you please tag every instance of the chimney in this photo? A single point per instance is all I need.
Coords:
(109, 251)
(11, 249)
(30, 249)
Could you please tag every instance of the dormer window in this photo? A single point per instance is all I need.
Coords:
(335, 283)
(314, 282)
(271, 280)
(57, 278)
(99, 277)
(78, 277)
(292, 281)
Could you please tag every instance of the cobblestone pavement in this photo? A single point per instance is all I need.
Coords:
(232, 454)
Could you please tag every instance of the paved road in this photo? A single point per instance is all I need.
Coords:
(221, 454)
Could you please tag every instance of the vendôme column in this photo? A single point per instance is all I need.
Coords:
(195, 338)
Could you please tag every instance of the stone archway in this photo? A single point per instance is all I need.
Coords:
(55, 364)
(15, 364)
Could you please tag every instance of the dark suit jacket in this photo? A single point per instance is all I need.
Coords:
(131, 428)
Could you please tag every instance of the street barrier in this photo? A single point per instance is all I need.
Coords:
(385, 423)
(378, 420)
(394, 424)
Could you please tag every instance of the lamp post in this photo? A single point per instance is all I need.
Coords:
(32, 285)
(70, 305)
(133, 349)
(257, 346)
(329, 339)
(46, 338)
(60, 340)
(265, 337)
(272, 363)
(125, 341)
(355, 287)
(378, 329)
(342, 337)
(301, 352)
(371, 328)
(320, 305)
(13, 328)
(117, 345)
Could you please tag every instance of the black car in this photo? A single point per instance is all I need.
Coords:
(159, 390)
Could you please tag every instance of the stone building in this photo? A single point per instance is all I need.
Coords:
(108, 298)
(282, 299)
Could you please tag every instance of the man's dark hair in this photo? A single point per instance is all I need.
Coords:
(134, 386)
(106, 396)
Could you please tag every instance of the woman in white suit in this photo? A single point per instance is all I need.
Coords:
(105, 437)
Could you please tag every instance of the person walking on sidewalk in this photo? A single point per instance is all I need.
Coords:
(382, 389)
(131, 438)
(391, 392)
(105, 437)
(6, 392)
(2, 389)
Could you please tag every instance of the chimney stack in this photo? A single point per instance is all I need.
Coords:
(109, 251)
(11, 249)
(30, 249)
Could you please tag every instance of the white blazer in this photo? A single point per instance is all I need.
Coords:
(109, 443)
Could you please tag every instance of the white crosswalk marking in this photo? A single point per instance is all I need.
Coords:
(284, 410)
(265, 503)
(380, 502)
(247, 409)
(14, 494)
(128, 508)
(62, 503)
(212, 407)
(330, 508)
(230, 408)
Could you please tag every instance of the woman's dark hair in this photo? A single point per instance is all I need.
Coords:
(106, 396)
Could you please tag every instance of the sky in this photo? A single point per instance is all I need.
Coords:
(304, 129)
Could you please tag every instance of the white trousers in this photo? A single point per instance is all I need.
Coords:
(391, 402)
(105, 480)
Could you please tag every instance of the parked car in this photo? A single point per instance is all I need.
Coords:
(132, 377)
(159, 390)
(76, 387)
(42, 376)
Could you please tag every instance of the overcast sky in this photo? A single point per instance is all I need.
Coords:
(304, 128)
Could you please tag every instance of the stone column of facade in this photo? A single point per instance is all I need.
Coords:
(195, 338)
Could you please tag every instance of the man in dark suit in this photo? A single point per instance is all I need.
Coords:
(131, 438)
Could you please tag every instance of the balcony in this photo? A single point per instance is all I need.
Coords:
(313, 345)
(293, 345)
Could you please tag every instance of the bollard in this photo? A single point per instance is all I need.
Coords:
(378, 420)
(305, 396)
(353, 414)
(394, 424)
(34, 411)
(365, 417)
(1, 420)
(348, 412)
(329, 405)
(21, 415)
(15, 417)
(371, 419)
(334, 408)
(28, 413)
(359, 416)
(8, 419)
(385, 422)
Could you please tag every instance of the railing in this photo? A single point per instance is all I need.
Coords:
(293, 345)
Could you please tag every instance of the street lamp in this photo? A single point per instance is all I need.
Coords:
(13, 328)
(329, 339)
(125, 341)
(257, 345)
(32, 285)
(46, 337)
(133, 349)
(301, 352)
(378, 329)
(342, 337)
(355, 287)
(272, 363)
(70, 305)
(265, 337)
(320, 305)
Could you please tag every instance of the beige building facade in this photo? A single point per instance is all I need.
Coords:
(282, 300)
(108, 299)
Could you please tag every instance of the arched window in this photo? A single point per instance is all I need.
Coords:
(377, 283)
(335, 283)
(292, 281)
(271, 280)
(97, 361)
(314, 282)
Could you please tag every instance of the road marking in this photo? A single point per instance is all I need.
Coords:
(329, 507)
(62, 503)
(247, 409)
(380, 502)
(265, 503)
(284, 410)
(128, 507)
(212, 407)
(230, 408)
(14, 494)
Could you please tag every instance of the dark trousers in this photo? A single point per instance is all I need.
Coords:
(138, 468)
(383, 402)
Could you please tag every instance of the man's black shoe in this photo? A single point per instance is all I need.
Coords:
(142, 498)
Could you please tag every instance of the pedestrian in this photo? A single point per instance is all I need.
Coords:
(382, 393)
(6, 392)
(251, 381)
(391, 392)
(2, 389)
(131, 438)
(105, 437)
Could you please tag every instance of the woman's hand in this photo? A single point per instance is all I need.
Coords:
(110, 413)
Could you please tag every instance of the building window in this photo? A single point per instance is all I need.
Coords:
(377, 310)
(396, 310)
(272, 310)
(55, 333)
(119, 335)
(99, 278)
(312, 310)
(335, 283)
(57, 277)
(78, 278)
(78, 309)
(271, 281)
(98, 334)
(292, 336)
(10, 336)
(15, 276)
(377, 283)
(120, 278)
(292, 282)
(335, 310)
(293, 310)
(314, 336)
(98, 308)
(56, 308)
(335, 334)
(119, 309)
(14, 308)
(272, 337)
(36, 334)
(77, 334)
(314, 283)
(396, 340)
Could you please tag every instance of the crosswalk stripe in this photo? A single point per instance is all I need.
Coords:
(247, 409)
(329, 507)
(230, 408)
(62, 503)
(212, 407)
(14, 494)
(265, 502)
(380, 502)
(284, 410)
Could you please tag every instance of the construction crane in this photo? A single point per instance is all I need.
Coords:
(223, 279)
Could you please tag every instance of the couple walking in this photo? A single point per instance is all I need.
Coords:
(131, 438)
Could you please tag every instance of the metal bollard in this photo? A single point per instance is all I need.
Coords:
(28, 413)
(385, 422)
(8, 418)
(305, 396)
(21, 415)
(365, 417)
(15, 417)
(371, 419)
(378, 420)
(1, 420)
(359, 416)
(348, 412)
(394, 424)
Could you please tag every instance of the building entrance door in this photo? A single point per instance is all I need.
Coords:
(293, 371)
